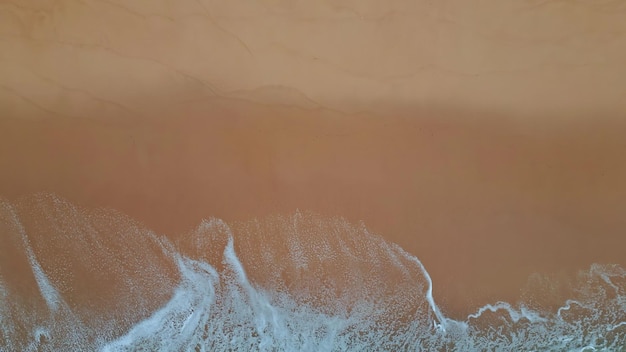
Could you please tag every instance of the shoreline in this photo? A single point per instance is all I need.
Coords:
(483, 207)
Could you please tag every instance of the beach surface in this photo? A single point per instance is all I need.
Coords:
(487, 141)
(483, 203)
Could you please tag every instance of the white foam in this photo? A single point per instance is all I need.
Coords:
(47, 290)
(175, 326)
(212, 310)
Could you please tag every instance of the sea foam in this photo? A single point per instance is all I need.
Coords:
(300, 282)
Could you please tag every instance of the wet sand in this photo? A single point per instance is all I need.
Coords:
(485, 200)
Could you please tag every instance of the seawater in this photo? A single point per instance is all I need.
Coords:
(76, 279)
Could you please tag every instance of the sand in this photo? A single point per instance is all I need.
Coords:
(492, 152)
(483, 203)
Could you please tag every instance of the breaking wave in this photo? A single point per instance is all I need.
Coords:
(84, 279)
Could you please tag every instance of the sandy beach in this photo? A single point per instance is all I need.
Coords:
(483, 203)
(487, 141)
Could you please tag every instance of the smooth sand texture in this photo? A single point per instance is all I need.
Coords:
(488, 141)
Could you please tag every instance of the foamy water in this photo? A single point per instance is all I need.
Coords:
(75, 279)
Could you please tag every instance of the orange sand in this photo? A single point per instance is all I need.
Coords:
(483, 200)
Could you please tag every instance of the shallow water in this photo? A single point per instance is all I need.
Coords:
(73, 278)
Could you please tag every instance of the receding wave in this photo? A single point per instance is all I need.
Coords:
(85, 279)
